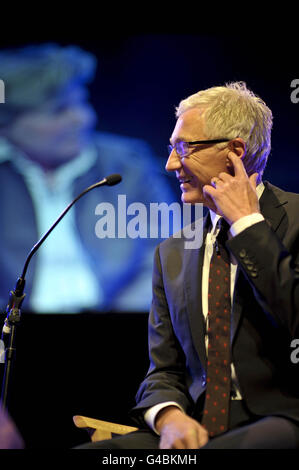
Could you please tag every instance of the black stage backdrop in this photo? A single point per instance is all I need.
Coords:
(88, 365)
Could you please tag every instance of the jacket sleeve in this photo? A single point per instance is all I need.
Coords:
(165, 379)
(273, 272)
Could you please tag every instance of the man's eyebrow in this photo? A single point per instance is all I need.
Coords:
(178, 139)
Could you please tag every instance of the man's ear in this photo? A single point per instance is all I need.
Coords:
(238, 147)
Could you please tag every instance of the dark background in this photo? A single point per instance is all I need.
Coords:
(68, 365)
(92, 364)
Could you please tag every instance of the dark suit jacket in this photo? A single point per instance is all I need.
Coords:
(265, 316)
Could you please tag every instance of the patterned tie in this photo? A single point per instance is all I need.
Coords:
(216, 409)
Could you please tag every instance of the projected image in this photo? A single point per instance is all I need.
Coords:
(51, 149)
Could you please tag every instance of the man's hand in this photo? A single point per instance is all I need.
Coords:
(179, 431)
(234, 196)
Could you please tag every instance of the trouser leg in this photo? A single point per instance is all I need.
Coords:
(141, 439)
(247, 431)
(273, 432)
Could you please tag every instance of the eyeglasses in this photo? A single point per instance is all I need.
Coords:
(183, 148)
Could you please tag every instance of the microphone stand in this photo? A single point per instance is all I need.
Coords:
(17, 296)
(13, 318)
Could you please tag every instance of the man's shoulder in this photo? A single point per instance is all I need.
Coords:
(288, 199)
(280, 192)
(107, 142)
(190, 237)
(131, 156)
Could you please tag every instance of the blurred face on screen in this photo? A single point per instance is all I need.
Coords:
(57, 131)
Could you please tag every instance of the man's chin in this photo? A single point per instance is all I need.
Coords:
(54, 161)
(192, 197)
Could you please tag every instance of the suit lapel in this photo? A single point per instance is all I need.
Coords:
(192, 286)
(271, 205)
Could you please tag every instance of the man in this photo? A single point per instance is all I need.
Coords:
(50, 151)
(219, 149)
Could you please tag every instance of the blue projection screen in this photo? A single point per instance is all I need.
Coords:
(73, 112)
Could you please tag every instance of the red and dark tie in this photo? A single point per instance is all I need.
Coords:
(216, 409)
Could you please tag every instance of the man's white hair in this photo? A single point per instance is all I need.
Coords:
(232, 111)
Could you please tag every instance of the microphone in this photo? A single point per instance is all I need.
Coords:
(110, 180)
(17, 296)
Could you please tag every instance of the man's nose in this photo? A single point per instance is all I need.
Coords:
(174, 162)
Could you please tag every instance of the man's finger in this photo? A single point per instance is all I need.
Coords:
(225, 177)
(209, 190)
(253, 179)
(237, 164)
(192, 440)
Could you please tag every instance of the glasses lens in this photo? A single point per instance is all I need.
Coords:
(182, 148)
(170, 149)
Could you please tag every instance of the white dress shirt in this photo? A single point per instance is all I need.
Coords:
(64, 281)
(236, 228)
